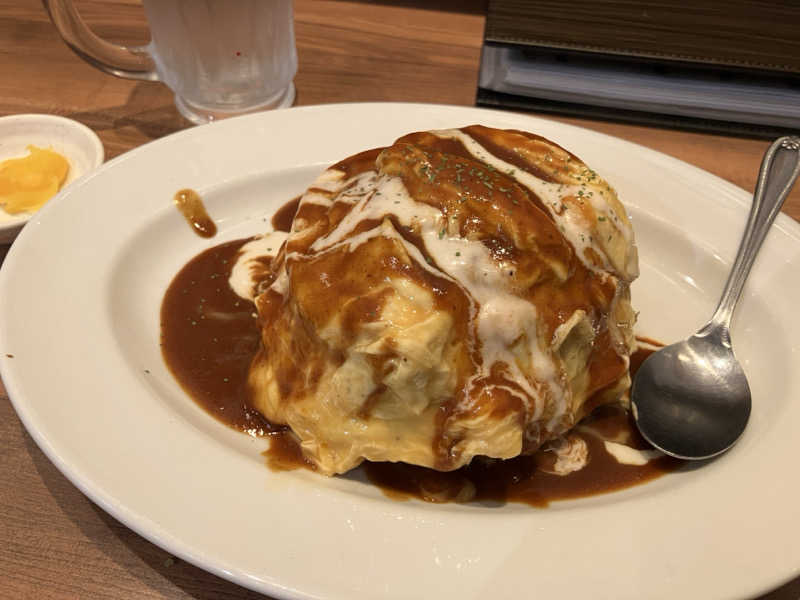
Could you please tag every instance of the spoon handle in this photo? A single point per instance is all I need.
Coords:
(779, 169)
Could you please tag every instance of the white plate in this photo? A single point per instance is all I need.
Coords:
(75, 141)
(80, 314)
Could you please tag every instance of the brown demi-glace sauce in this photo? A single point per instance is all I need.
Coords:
(190, 204)
(209, 336)
(282, 219)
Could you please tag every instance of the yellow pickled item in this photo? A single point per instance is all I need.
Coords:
(27, 183)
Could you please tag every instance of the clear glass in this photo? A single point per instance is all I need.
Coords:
(224, 56)
(220, 57)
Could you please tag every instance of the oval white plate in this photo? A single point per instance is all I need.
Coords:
(73, 140)
(82, 288)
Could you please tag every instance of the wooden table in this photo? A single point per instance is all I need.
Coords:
(54, 542)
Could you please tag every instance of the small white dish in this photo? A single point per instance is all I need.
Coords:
(75, 141)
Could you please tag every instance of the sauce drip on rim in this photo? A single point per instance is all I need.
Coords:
(209, 336)
(191, 206)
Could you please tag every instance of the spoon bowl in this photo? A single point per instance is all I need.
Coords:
(697, 388)
(691, 400)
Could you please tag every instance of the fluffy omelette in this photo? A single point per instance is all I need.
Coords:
(459, 293)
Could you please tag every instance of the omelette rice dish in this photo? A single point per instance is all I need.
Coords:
(459, 293)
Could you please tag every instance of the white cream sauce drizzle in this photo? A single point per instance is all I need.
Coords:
(242, 280)
(572, 224)
(572, 454)
(626, 455)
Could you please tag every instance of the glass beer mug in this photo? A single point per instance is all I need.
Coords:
(220, 57)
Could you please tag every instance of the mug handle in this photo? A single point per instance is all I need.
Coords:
(128, 62)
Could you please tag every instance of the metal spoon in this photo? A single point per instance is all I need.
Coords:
(691, 400)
